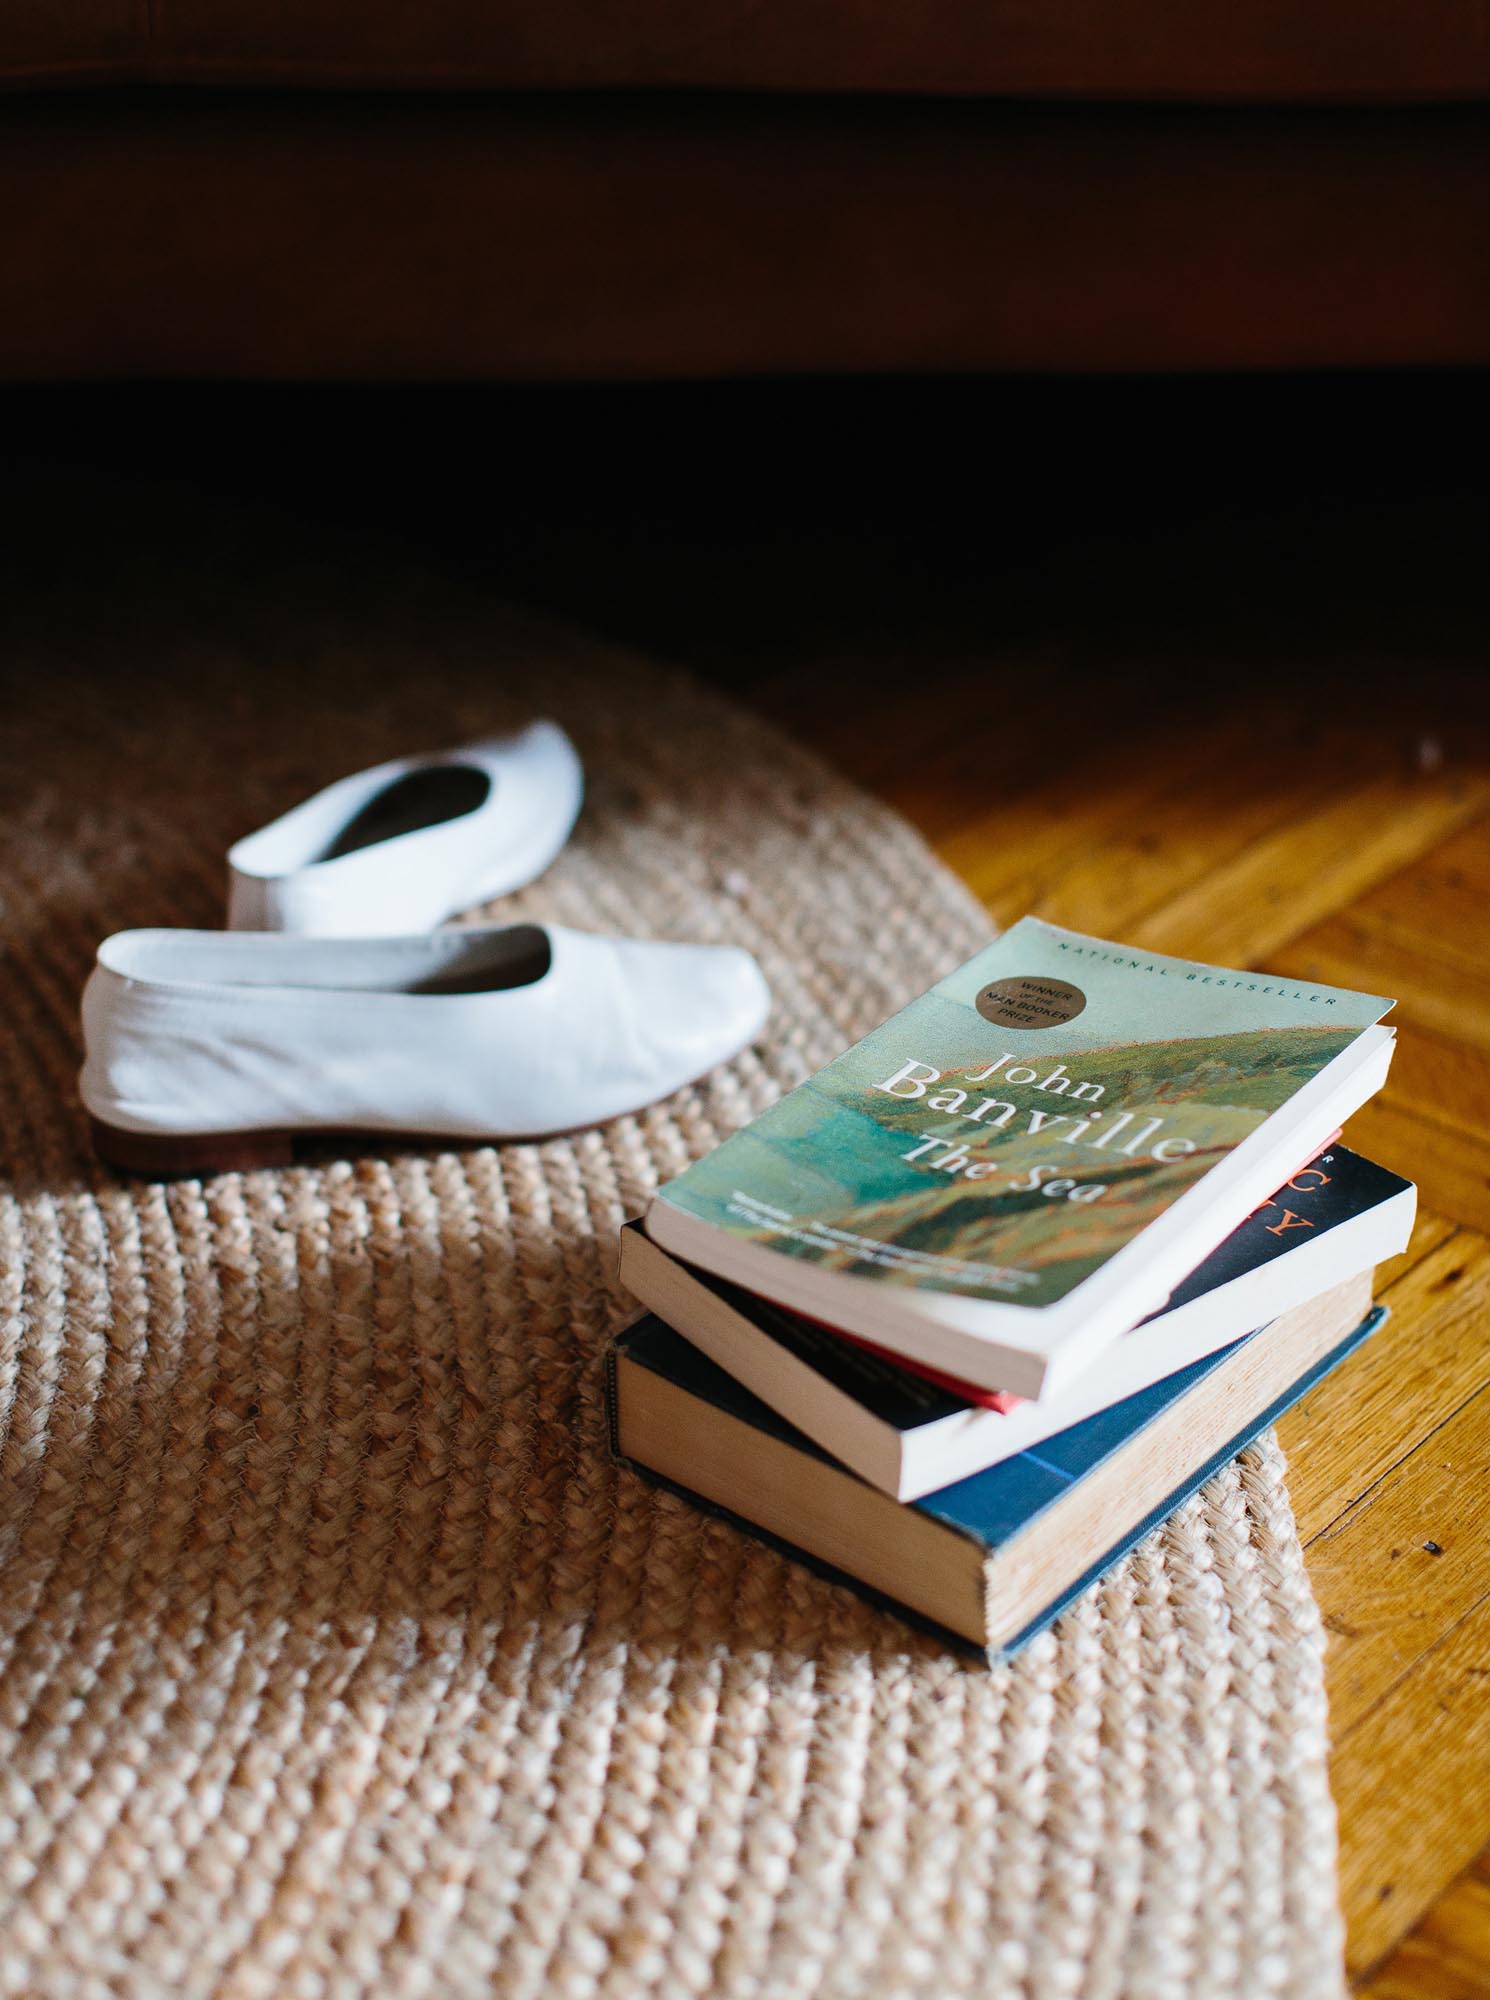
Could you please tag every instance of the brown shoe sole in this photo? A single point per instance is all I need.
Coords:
(190, 1155)
(169, 1156)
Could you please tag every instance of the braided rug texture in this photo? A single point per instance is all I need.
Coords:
(340, 1659)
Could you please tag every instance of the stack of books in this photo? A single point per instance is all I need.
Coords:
(965, 1315)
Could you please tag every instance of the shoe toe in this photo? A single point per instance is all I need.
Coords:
(693, 1007)
(736, 997)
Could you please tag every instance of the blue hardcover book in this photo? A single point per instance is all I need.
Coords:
(994, 1558)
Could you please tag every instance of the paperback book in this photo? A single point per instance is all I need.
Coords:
(1023, 1163)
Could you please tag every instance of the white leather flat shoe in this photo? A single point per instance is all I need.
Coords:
(210, 1050)
(399, 847)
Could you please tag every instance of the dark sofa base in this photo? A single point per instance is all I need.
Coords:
(310, 236)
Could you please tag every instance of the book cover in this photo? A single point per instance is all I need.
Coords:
(1010, 1132)
(991, 1507)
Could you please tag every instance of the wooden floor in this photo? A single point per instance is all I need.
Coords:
(1355, 850)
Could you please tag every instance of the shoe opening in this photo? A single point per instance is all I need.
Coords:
(495, 962)
(410, 804)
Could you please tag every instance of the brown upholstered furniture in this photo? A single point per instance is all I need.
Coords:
(459, 188)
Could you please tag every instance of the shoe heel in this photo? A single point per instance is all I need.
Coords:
(181, 1155)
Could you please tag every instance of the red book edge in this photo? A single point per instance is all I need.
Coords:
(986, 1399)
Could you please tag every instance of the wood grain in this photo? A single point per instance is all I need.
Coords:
(1451, 1167)
(1380, 1406)
(1412, 1785)
(1248, 908)
(1405, 1563)
(1444, 1957)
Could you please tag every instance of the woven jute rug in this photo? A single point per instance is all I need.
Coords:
(339, 1658)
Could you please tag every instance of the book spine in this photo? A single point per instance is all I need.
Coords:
(613, 1401)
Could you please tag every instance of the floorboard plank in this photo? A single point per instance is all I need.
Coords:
(1412, 1786)
(1445, 1082)
(1451, 1167)
(1446, 1956)
(1443, 900)
(1405, 1563)
(1110, 833)
(1434, 972)
(1245, 910)
(991, 782)
(1376, 1408)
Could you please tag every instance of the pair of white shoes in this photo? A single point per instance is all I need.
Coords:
(332, 1005)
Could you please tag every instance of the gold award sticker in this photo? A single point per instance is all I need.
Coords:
(1028, 1001)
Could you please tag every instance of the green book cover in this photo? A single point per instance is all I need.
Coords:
(1005, 1135)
